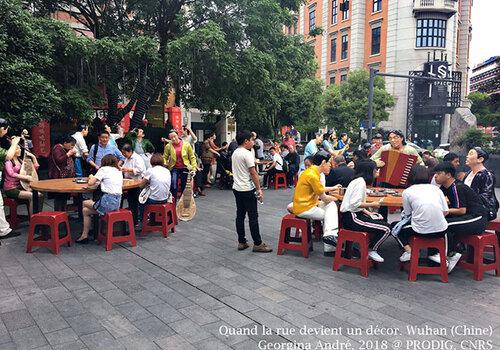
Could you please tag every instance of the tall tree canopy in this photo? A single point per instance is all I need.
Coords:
(218, 55)
(486, 108)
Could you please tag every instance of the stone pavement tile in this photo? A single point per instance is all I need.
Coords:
(270, 306)
(232, 317)
(9, 346)
(181, 287)
(61, 336)
(190, 330)
(101, 340)
(272, 294)
(11, 303)
(70, 307)
(133, 311)
(4, 333)
(101, 285)
(165, 312)
(28, 338)
(176, 300)
(211, 344)
(118, 326)
(214, 290)
(174, 342)
(85, 324)
(138, 341)
(47, 282)
(301, 307)
(153, 328)
(220, 331)
(50, 321)
(17, 319)
(192, 279)
(58, 293)
(128, 286)
(238, 303)
(75, 345)
(248, 344)
(199, 315)
(100, 308)
(207, 302)
(146, 298)
(116, 297)
(401, 315)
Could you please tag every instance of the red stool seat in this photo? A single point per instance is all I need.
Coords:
(419, 242)
(349, 237)
(302, 239)
(14, 219)
(280, 184)
(494, 225)
(479, 265)
(164, 214)
(112, 217)
(52, 219)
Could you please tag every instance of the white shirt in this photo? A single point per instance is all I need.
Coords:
(159, 182)
(279, 161)
(111, 179)
(136, 163)
(354, 196)
(260, 151)
(468, 180)
(80, 145)
(426, 204)
(242, 160)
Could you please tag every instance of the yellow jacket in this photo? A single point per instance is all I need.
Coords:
(188, 157)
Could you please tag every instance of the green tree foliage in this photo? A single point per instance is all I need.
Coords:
(486, 108)
(345, 105)
(474, 137)
(229, 56)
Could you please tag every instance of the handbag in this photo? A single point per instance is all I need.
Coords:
(144, 195)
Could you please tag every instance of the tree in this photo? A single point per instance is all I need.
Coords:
(486, 108)
(346, 105)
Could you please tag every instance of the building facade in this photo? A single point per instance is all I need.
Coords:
(391, 36)
(486, 77)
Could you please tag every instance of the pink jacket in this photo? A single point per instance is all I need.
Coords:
(11, 174)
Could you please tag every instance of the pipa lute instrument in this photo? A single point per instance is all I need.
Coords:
(186, 207)
(397, 167)
(27, 168)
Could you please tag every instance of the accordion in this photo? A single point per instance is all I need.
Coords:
(397, 167)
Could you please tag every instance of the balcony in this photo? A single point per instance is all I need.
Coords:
(448, 7)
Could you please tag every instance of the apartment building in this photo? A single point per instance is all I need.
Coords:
(486, 76)
(392, 36)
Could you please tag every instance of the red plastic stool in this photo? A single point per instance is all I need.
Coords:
(302, 239)
(120, 215)
(494, 225)
(277, 183)
(164, 213)
(13, 218)
(349, 237)
(52, 219)
(417, 243)
(479, 265)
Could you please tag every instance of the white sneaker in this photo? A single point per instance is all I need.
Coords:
(436, 258)
(453, 260)
(405, 257)
(372, 254)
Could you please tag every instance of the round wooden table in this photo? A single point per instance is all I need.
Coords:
(69, 185)
(387, 201)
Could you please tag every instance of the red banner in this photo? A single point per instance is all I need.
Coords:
(175, 118)
(40, 136)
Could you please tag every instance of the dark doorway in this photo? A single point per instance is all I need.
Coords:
(427, 130)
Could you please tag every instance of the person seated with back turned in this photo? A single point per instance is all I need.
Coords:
(354, 208)
(311, 201)
(426, 205)
(340, 174)
(467, 214)
(111, 182)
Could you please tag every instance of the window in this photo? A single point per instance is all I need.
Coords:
(431, 33)
(312, 18)
(377, 5)
(332, 78)
(344, 7)
(333, 52)
(295, 25)
(335, 11)
(345, 47)
(343, 77)
(375, 41)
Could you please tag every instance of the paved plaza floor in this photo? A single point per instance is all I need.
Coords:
(194, 290)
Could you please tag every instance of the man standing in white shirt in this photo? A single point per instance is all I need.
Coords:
(81, 148)
(133, 168)
(246, 189)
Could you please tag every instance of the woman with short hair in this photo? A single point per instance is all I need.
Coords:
(61, 166)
